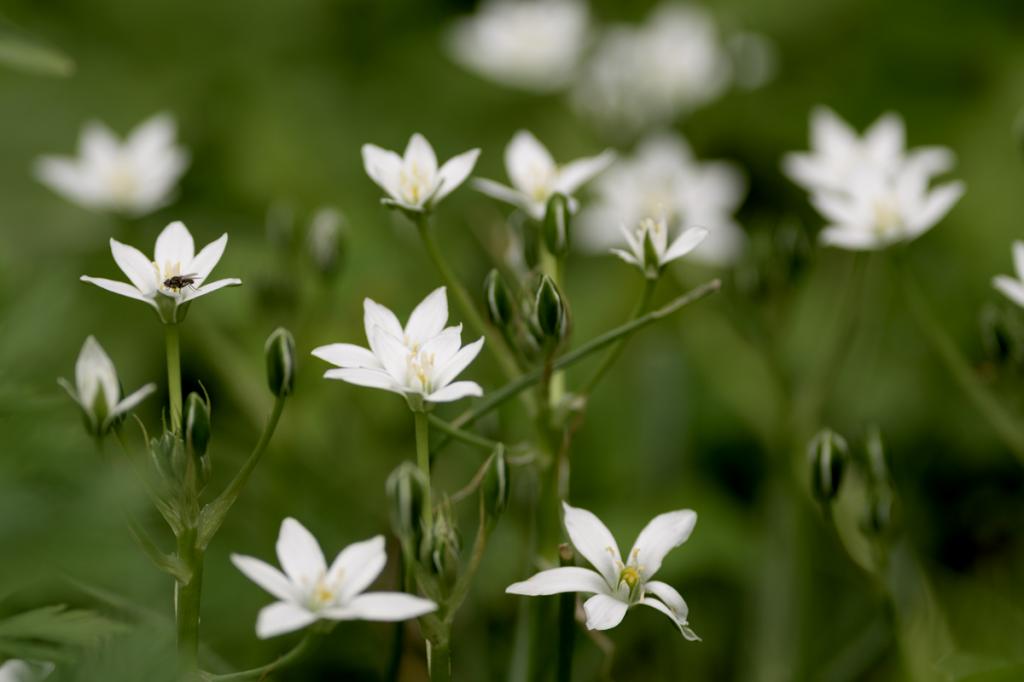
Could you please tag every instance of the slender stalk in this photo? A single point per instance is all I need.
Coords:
(566, 622)
(495, 342)
(187, 596)
(398, 639)
(423, 461)
(173, 374)
(213, 514)
(1001, 421)
(460, 434)
(261, 672)
(613, 355)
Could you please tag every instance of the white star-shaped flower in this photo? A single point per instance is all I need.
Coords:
(97, 389)
(617, 585)
(134, 177)
(535, 176)
(413, 181)
(310, 590)
(176, 271)
(420, 360)
(651, 259)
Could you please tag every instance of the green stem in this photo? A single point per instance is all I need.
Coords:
(398, 639)
(613, 355)
(173, 374)
(1001, 421)
(460, 434)
(440, 657)
(495, 342)
(186, 603)
(261, 672)
(213, 514)
(566, 626)
(423, 461)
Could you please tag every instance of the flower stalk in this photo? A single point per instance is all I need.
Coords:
(423, 462)
(173, 344)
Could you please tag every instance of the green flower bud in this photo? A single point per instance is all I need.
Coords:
(501, 307)
(406, 490)
(550, 314)
(878, 517)
(280, 353)
(197, 435)
(495, 487)
(169, 456)
(556, 225)
(445, 545)
(325, 241)
(827, 454)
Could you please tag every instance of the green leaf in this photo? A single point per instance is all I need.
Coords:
(47, 633)
(26, 53)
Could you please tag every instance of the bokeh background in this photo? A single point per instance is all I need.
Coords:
(274, 101)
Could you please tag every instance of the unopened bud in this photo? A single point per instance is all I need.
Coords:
(406, 489)
(169, 456)
(827, 454)
(326, 241)
(445, 545)
(556, 225)
(500, 305)
(550, 313)
(495, 486)
(197, 434)
(878, 515)
(280, 353)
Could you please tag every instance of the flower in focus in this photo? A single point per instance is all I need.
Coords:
(650, 74)
(134, 177)
(663, 178)
(528, 44)
(310, 590)
(420, 360)
(176, 274)
(649, 248)
(97, 390)
(413, 181)
(616, 585)
(14, 670)
(1013, 287)
(536, 177)
(872, 190)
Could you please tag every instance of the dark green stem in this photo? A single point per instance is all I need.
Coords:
(461, 434)
(187, 599)
(173, 344)
(261, 672)
(423, 461)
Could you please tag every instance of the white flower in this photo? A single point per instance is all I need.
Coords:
(663, 178)
(97, 390)
(413, 181)
(1013, 287)
(22, 671)
(662, 253)
(310, 590)
(618, 585)
(536, 177)
(880, 209)
(419, 360)
(839, 156)
(650, 74)
(528, 44)
(174, 257)
(134, 177)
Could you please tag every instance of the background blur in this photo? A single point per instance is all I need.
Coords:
(274, 101)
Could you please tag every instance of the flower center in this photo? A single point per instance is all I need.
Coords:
(888, 220)
(631, 576)
(420, 368)
(415, 183)
(122, 183)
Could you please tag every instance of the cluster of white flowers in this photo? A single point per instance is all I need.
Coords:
(663, 180)
(872, 190)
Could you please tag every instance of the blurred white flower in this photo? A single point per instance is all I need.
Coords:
(1013, 287)
(838, 155)
(97, 390)
(420, 360)
(22, 671)
(650, 74)
(528, 44)
(881, 208)
(535, 176)
(413, 181)
(133, 177)
(649, 248)
(618, 585)
(663, 178)
(310, 590)
(175, 271)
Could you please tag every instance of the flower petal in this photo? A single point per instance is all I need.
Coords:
(604, 612)
(504, 193)
(393, 354)
(456, 391)
(357, 566)
(207, 258)
(559, 580)
(428, 318)
(668, 594)
(1018, 258)
(193, 294)
(371, 378)
(626, 256)
(459, 362)
(528, 162)
(684, 628)
(376, 315)
(1011, 288)
(299, 553)
(281, 617)
(121, 288)
(685, 243)
(382, 606)
(130, 402)
(266, 576)
(66, 177)
(384, 168)
(938, 203)
(136, 267)
(574, 175)
(851, 239)
(420, 154)
(174, 245)
(454, 172)
(664, 532)
(347, 355)
(594, 541)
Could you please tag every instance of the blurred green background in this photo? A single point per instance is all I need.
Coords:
(274, 100)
